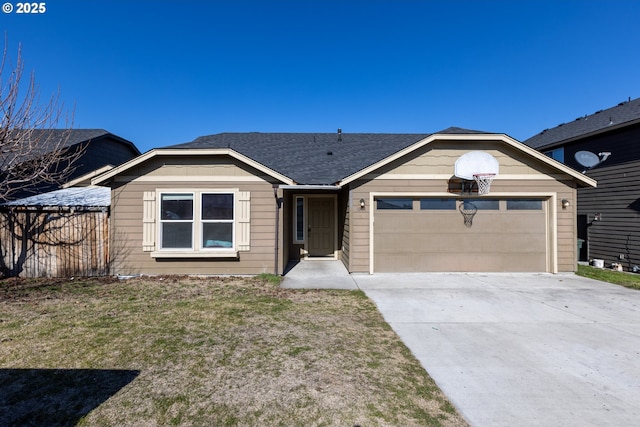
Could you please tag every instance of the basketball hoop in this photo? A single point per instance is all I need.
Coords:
(468, 211)
(484, 181)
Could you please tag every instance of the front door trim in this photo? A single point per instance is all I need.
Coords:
(307, 209)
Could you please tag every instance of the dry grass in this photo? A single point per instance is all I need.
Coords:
(186, 351)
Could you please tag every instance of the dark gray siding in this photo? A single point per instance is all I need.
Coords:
(617, 200)
(624, 144)
(104, 151)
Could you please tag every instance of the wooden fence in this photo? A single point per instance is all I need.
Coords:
(54, 243)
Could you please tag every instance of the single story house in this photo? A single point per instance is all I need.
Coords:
(247, 203)
(603, 145)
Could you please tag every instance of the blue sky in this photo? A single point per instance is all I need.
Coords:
(164, 72)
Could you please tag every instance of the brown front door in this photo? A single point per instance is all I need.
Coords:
(321, 226)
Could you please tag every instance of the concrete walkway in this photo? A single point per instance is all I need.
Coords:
(318, 274)
(521, 349)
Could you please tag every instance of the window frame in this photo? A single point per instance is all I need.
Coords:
(483, 204)
(441, 204)
(393, 207)
(296, 218)
(203, 221)
(197, 229)
(162, 221)
(510, 207)
(555, 154)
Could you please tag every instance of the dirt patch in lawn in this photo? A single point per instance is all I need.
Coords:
(215, 351)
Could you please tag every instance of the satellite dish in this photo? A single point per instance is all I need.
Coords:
(587, 158)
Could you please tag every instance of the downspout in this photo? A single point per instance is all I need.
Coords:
(279, 201)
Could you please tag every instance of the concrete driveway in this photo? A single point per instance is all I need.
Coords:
(521, 349)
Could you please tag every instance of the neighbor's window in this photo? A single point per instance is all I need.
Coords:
(524, 205)
(556, 154)
(437, 204)
(394, 203)
(299, 220)
(217, 220)
(176, 220)
(484, 204)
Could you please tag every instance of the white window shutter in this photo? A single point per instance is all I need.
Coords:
(149, 221)
(243, 221)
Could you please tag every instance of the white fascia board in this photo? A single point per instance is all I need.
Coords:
(156, 152)
(310, 187)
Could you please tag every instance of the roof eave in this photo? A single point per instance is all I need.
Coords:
(588, 134)
(103, 178)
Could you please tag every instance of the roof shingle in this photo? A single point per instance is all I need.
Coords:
(624, 112)
(313, 158)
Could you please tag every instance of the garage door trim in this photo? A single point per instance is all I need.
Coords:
(552, 219)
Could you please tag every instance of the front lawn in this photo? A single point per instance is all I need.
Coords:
(219, 352)
(629, 280)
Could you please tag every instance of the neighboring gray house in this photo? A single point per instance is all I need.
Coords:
(609, 215)
(101, 148)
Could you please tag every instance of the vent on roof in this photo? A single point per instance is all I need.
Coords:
(598, 112)
(339, 135)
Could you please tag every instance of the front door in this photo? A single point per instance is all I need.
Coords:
(321, 226)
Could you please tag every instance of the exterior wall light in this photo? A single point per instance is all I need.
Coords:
(565, 203)
(597, 217)
(361, 203)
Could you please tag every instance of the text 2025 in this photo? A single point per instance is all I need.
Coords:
(31, 7)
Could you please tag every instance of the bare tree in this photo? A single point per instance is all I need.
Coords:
(33, 152)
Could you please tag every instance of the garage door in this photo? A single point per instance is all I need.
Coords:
(429, 235)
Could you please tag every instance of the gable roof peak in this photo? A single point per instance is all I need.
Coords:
(462, 131)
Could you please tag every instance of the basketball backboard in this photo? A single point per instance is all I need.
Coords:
(475, 162)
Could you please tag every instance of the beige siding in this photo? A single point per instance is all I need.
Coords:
(440, 157)
(127, 222)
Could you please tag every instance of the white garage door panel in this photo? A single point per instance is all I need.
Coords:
(423, 240)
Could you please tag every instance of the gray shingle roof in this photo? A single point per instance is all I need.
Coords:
(45, 141)
(313, 158)
(68, 197)
(624, 112)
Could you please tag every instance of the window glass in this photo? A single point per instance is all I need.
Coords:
(556, 154)
(217, 206)
(217, 220)
(524, 204)
(177, 207)
(484, 204)
(437, 204)
(176, 216)
(177, 235)
(394, 203)
(217, 235)
(299, 219)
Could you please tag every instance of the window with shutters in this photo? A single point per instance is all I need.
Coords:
(196, 223)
